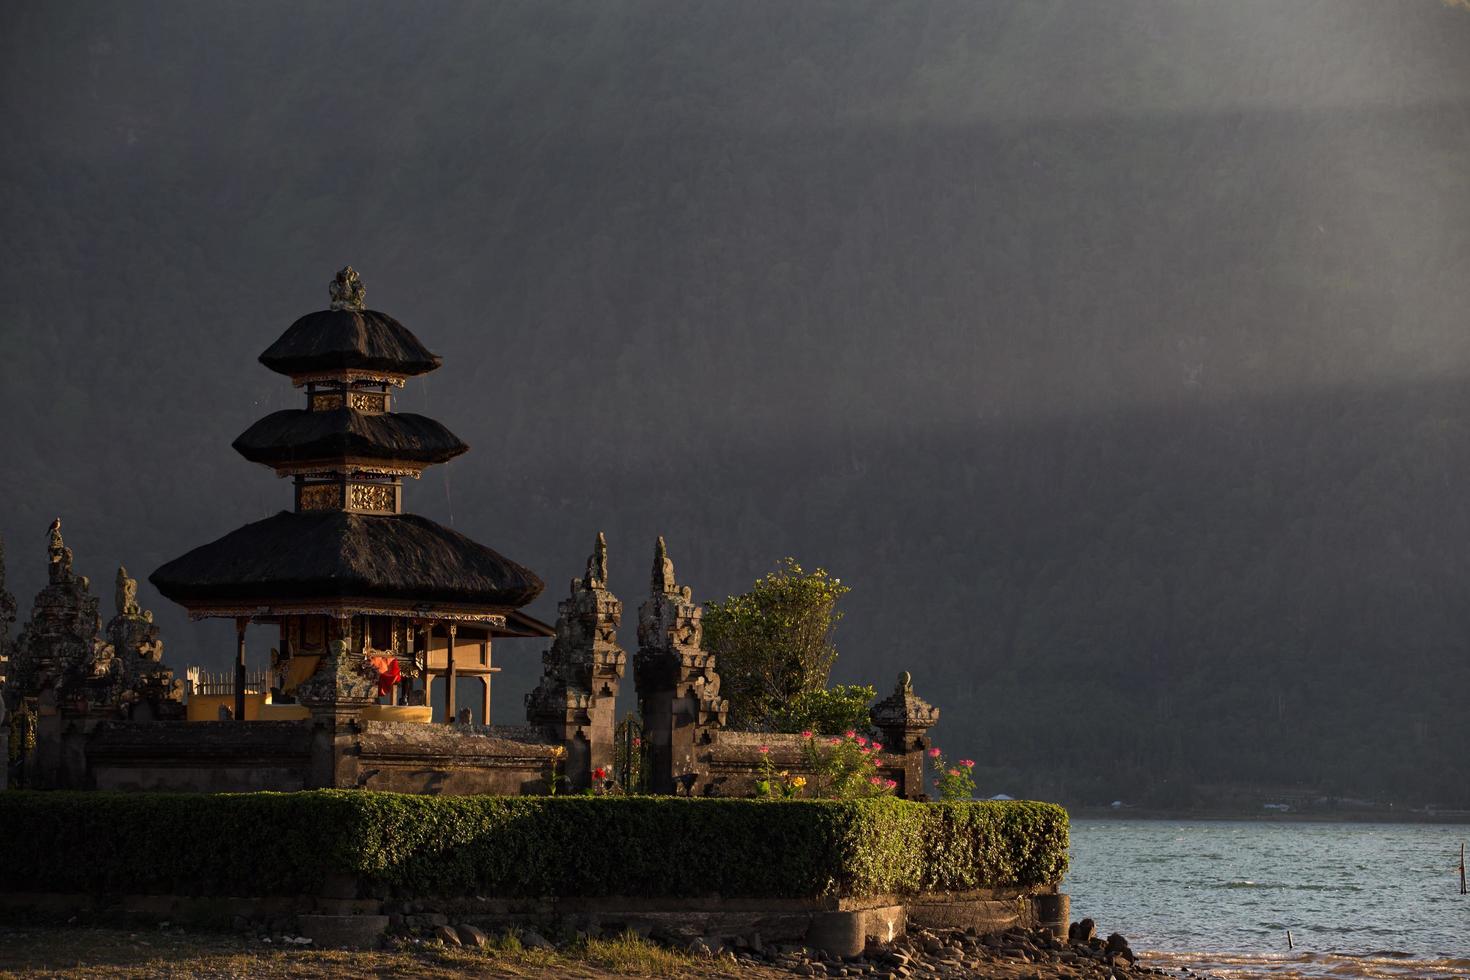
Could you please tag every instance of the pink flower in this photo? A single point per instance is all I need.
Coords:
(860, 740)
(876, 781)
(954, 772)
(968, 763)
(806, 734)
(765, 749)
(892, 784)
(834, 741)
(849, 734)
(934, 753)
(637, 743)
(877, 746)
(865, 751)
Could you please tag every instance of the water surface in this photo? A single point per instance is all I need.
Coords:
(1373, 900)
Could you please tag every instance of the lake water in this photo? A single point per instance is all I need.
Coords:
(1361, 900)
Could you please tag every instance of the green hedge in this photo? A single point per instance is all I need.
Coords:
(269, 843)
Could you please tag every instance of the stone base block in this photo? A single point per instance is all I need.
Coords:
(846, 933)
(1053, 913)
(352, 931)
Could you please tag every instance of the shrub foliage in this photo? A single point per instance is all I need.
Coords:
(271, 844)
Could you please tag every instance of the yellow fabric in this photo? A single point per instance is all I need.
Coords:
(299, 669)
(205, 707)
(417, 713)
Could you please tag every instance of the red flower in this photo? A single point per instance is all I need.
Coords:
(849, 734)
(637, 743)
(934, 753)
(599, 773)
(765, 749)
(968, 763)
(877, 746)
(860, 740)
(806, 734)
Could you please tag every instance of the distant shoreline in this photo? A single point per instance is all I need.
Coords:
(1273, 816)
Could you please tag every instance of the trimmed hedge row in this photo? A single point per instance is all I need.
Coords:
(285, 844)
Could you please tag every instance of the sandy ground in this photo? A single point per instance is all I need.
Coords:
(85, 952)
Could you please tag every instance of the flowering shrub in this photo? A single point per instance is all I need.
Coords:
(845, 767)
(954, 782)
(775, 785)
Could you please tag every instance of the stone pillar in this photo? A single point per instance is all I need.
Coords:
(904, 719)
(449, 676)
(576, 701)
(678, 687)
(344, 684)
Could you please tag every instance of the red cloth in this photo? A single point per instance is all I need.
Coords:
(389, 673)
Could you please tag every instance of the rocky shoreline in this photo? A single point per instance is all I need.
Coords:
(921, 954)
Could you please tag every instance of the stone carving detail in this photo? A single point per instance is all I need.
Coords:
(596, 576)
(321, 496)
(64, 661)
(344, 677)
(60, 642)
(147, 687)
(326, 402)
(347, 290)
(576, 699)
(126, 594)
(678, 686)
(371, 496)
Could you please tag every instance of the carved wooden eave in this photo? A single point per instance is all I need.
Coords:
(350, 466)
(349, 376)
(272, 610)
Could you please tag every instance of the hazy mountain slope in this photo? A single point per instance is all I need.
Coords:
(1113, 352)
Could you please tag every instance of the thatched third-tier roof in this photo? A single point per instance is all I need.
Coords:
(294, 558)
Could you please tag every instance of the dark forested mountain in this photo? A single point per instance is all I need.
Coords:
(1114, 353)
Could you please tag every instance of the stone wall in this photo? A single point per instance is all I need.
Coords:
(284, 756)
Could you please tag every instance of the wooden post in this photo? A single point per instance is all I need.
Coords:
(485, 715)
(1462, 869)
(240, 623)
(449, 678)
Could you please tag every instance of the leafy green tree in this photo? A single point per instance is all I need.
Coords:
(774, 643)
(833, 711)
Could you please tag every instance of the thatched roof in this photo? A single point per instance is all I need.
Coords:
(336, 554)
(296, 435)
(331, 340)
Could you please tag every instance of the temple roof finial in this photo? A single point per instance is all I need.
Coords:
(54, 532)
(347, 290)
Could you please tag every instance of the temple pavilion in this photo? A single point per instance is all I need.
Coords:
(347, 576)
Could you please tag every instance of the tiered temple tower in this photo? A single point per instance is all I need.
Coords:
(350, 579)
